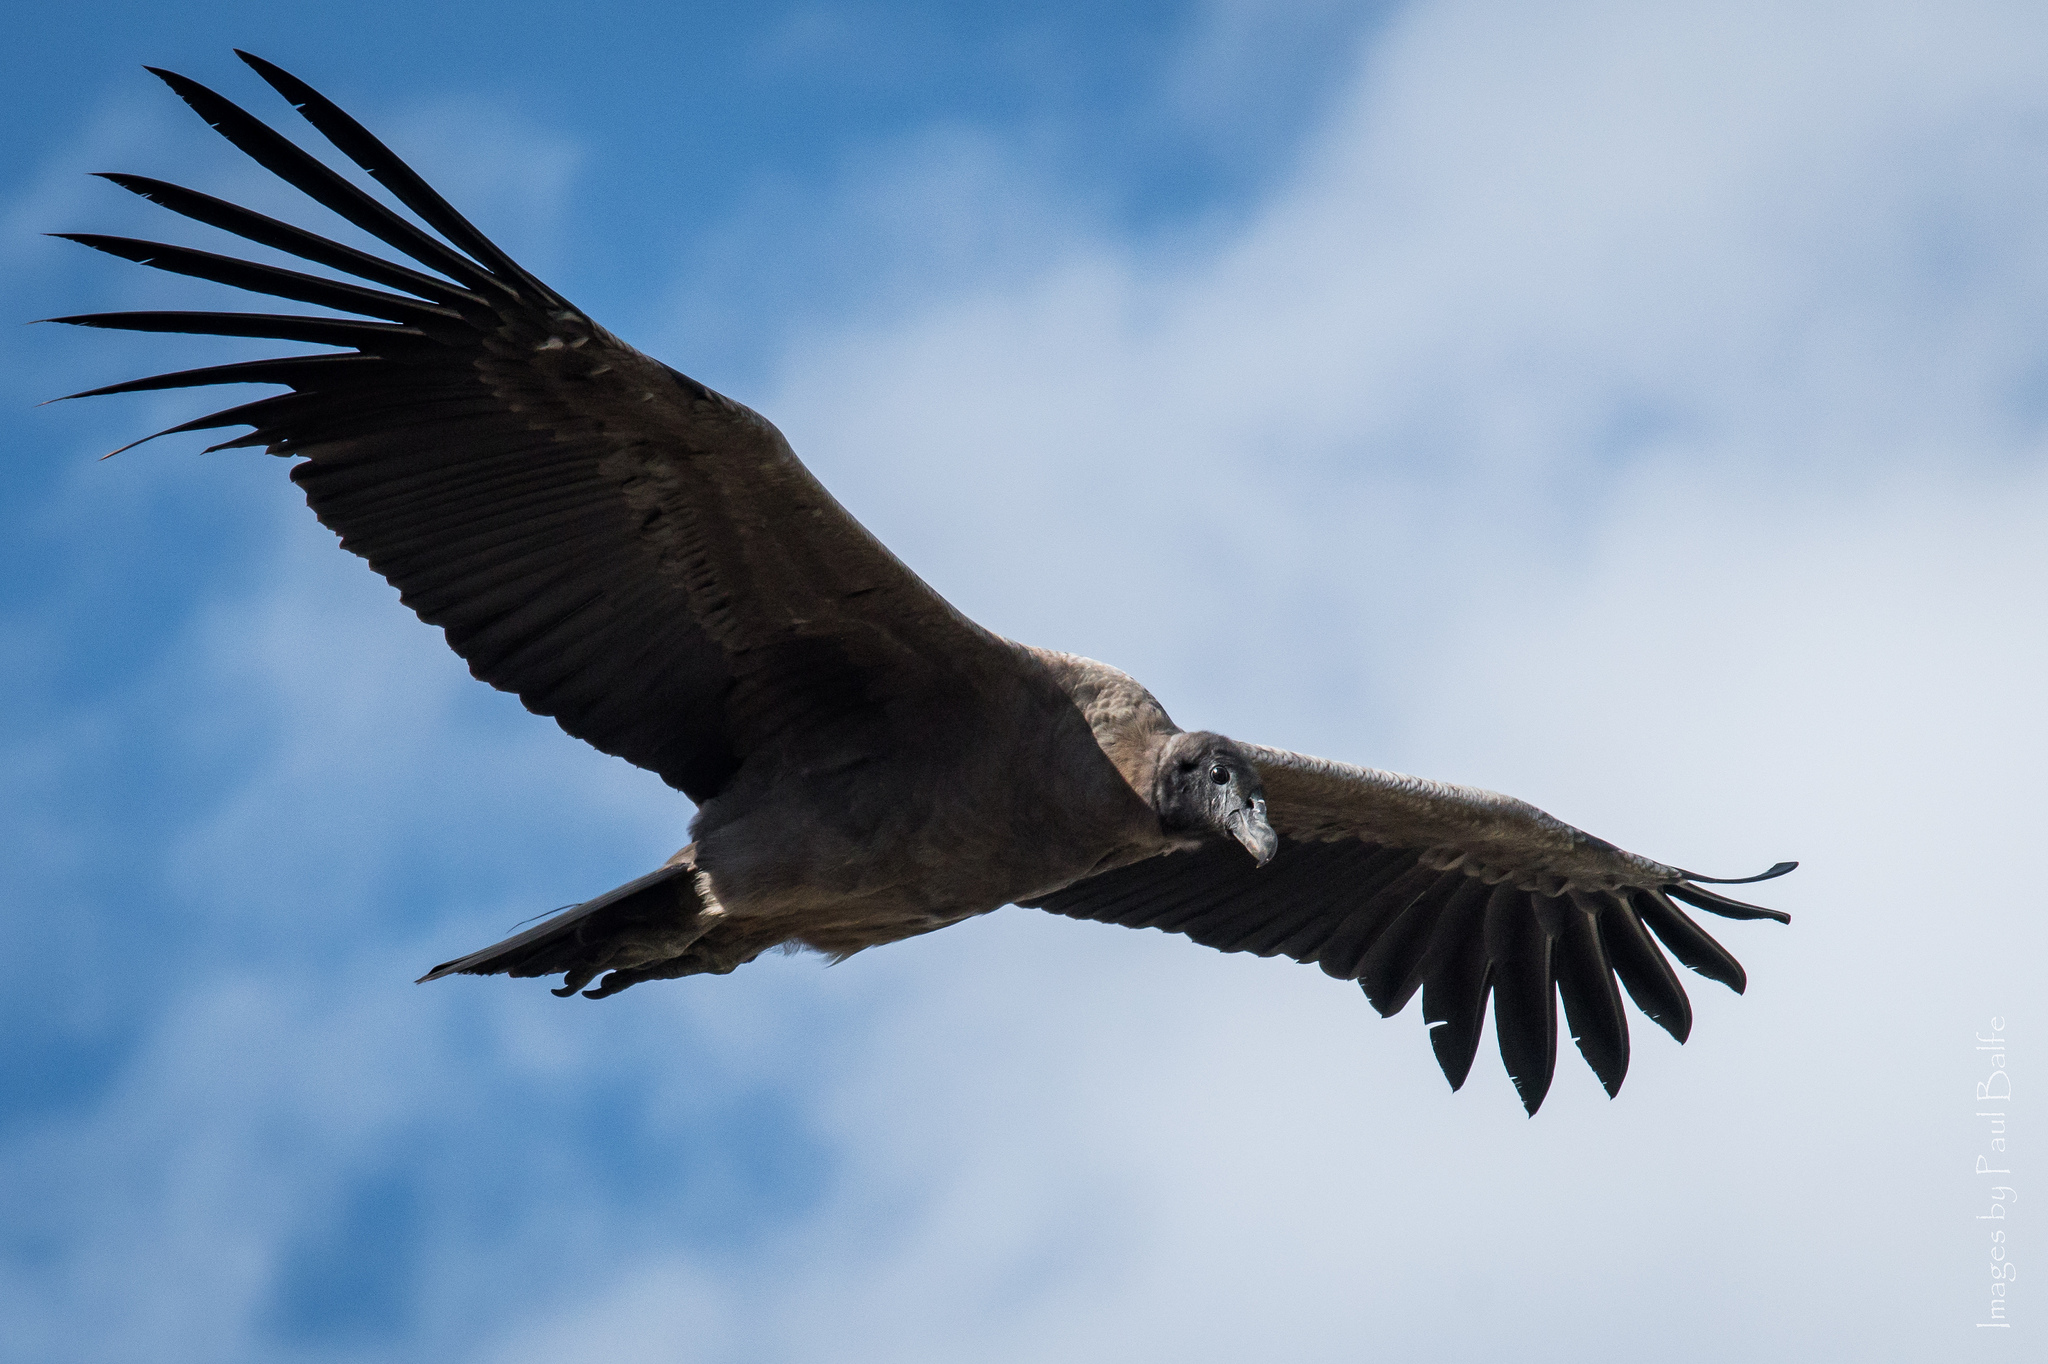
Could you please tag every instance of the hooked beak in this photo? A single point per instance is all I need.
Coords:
(1248, 826)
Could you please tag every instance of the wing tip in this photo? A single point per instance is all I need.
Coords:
(1713, 903)
(1777, 869)
(184, 86)
(1678, 1026)
(256, 63)
(1533, 1092)
(1455, 1051)
(294, 91)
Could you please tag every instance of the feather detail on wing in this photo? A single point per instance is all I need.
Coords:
(631, 553)
(1408, 885)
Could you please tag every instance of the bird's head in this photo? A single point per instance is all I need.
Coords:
(1207, 784)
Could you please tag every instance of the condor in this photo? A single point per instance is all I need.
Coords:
(647, 562)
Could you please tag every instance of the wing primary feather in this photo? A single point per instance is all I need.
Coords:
(387, 169)
(319, 331)
(337, 416)
(1777, 869)
(1688, 941)
(249, 413)
(1518, 942)
(1592, 1002)
(324, 418)
(230, 417)
(288, 369)
(303, 421)
(297, 241)
(1649, 979)
(266, 279)
(1722, 905)
(299, 169)
(243, 442)
(1454, 995)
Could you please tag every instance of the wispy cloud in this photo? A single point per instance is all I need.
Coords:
(1634, 409)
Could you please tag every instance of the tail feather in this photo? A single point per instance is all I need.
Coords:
(640, 927)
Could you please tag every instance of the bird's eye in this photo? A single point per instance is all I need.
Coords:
(1219, 774)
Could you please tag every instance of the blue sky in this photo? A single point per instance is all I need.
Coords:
(1639, 410)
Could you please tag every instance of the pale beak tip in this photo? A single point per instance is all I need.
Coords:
(1252, 830)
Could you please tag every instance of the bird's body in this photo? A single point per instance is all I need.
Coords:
(650, 564)
(859, 843)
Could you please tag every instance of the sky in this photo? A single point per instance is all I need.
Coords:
(1642, 410)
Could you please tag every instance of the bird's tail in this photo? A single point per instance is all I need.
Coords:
(643, 930)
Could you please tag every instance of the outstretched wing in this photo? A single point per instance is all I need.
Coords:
(1404, 884)
(631, 553)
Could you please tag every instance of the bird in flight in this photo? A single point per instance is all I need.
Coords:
(647, 562)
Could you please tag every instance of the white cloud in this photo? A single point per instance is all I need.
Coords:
(1623, 407)
(1620, 410)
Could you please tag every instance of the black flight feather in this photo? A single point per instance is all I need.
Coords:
(362, 147)
(1688, 941)
(287, 369)
(1454, 995)
(1518, 943)
(1722, 905)
(266, 231)
(364, 336)
(1392, 972)
(264, 279)
(1644, 972)
(1592, 1003)
(298, 168)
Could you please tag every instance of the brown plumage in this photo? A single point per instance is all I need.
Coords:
(647, 562)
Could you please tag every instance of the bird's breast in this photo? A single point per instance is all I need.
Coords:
(946, 825)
